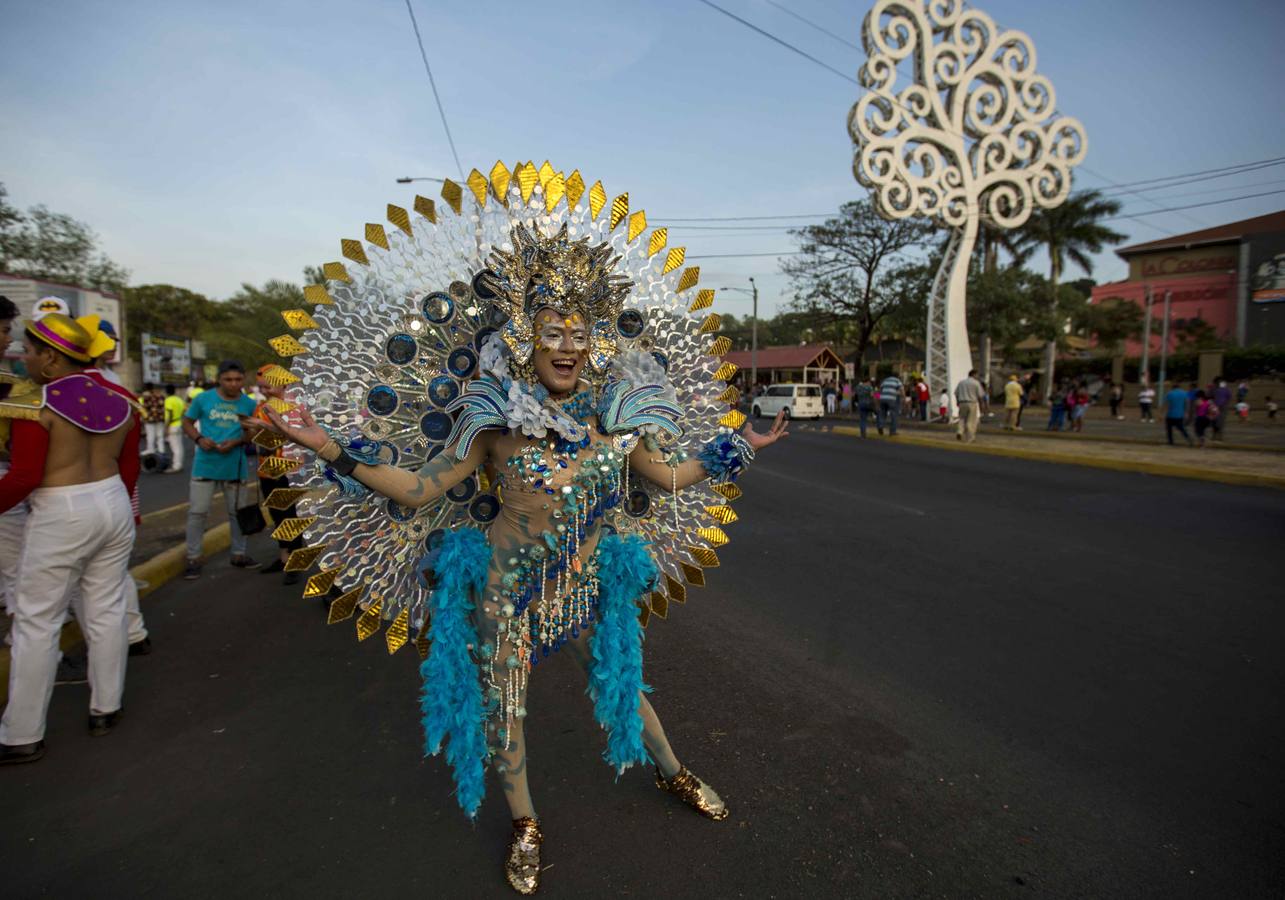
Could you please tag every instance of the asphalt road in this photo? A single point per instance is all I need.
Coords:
(918, 673)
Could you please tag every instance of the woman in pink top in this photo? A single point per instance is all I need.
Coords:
(1205, 414)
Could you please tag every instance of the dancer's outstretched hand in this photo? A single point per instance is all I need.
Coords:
(771, 436)
(309, 434)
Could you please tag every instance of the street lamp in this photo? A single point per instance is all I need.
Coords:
(753, 290)
(408, 180)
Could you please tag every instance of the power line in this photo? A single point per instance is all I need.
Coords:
(1156, 212)
(790, 12)
(1218, 172)
(745, 218)
(785, 44)
(744, 255)
(424, 56)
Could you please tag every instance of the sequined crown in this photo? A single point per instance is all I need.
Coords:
(568, 276)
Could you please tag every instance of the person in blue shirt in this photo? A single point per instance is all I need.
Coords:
(1176, 403)
(891, 391)
(213, 422)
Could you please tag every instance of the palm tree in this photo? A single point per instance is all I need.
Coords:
(1072, 232)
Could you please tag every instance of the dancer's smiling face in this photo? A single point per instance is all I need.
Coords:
(561, 348)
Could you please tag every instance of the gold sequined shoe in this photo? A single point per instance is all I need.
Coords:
(694, 792)
(522, 866)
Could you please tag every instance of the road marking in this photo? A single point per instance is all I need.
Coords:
(864, 498)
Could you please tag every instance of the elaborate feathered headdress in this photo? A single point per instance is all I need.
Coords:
(568, 276)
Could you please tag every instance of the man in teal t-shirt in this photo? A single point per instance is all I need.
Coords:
(1176, 413)
(213, 422)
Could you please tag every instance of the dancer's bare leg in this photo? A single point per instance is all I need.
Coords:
(510, 759)
(662, 754)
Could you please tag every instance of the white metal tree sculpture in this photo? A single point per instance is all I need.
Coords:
(973, 137)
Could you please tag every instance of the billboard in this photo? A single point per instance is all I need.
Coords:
(166, 360)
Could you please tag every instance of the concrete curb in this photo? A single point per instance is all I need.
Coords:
(1119, 465)
(162, 568)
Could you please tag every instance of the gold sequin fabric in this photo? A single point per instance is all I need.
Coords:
(522, 865)
(694, 792)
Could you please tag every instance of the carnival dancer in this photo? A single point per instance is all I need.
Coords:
(140, 644)
(564, 417)
(71, 458)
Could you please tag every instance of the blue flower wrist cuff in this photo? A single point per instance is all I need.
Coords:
(725, 457)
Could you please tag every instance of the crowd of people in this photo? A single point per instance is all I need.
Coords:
(73, 442)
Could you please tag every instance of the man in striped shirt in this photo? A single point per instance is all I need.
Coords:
(891, 391)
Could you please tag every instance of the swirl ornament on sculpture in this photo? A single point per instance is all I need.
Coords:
(401, 329)
(972, 139)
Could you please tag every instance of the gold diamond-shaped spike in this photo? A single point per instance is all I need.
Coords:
(292, 528)
(343, 606)
(657, 241)
(728, 490)
(354, 250)
(674, 259)
(733, 419)
(644, 614)
(317, 293)
(301, 560)
(398, 632)
(724, 515)
(278, 376)
(500, 179)
(720, 346)
(453, 194)
(711, 324)
(426, 208)
(477, 184)
(375, 235)
(276, 466)
(421, 643)
(575, 188)
(731, 395)
(319, 584)
(726, 371)
(528, 178)
(694, 574)
(284, 498)
(546, 173)
(660, 604)
(335, 271)
(286, 345)
(705, 556)
(677, 592)
(278, 405)
(637, 224)
(368, 622)
(298, 319)
(688, 279)
(399, 217)
(597, 199)
(713, 536)
(619, 209)
(269, 440)
(554, 190)
(703, 297)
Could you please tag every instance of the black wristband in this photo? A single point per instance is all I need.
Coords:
(344, 465)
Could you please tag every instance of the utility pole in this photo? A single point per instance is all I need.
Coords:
(1164, 348)
(754, 338)
(1146, 341)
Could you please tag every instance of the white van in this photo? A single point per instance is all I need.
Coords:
(800, 401)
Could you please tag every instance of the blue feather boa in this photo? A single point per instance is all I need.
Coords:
(451, 701)
(625, 571)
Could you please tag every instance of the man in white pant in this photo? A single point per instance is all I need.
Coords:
(75, 460)
(174, 407)
(153, 418)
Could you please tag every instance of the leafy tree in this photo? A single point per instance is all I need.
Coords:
(54, 247)
(845, 270)
(168, 310)
(247, 319)
(1195, 334)
(1112, 321)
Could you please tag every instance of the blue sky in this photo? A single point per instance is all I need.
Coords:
(215, 143)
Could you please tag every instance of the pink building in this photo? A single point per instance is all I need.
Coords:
(1212, 275)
